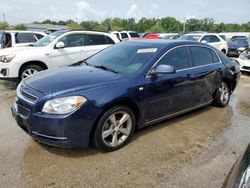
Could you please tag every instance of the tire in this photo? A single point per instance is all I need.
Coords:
(109, 135)
(222, 95)
(29, 70)
(224, 51)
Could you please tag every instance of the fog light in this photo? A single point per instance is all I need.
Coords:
(4, 72)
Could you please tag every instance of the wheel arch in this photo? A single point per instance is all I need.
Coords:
(38, 63)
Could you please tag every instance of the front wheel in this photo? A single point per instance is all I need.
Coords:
(29, 70)
(115, 128)
(222, 95)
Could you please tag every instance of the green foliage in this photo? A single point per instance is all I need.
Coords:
(20, 27)
(164, 25)
(74, 25)
(101, 27)
(4, 26)
(155, 29)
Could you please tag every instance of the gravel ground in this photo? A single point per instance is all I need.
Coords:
(197, 149)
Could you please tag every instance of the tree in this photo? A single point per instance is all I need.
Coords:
(171, 25)
(4, 25)
(74, 25)
(20, 27)
(101, 27)
(156, 29)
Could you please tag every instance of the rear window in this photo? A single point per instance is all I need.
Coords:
(201, 56)
(25, 37)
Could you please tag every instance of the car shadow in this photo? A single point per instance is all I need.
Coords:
(78, 153)
(9, 85)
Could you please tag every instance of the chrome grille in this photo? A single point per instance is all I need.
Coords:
(28, 96)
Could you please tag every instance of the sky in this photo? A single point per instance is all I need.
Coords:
(27, 11)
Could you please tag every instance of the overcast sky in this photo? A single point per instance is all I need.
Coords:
(26, 11)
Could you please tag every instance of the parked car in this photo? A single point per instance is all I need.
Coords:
(57, 49)
(128, 86)
(244, 61)
(15, 38)
(151, 36)
(239, 175)
(126, 34)
(237, 45)
(212, 39)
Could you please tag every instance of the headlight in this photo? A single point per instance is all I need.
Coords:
(63, 105)
(241, 49)
(7, 58)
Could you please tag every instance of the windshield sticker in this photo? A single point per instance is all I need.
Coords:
(147, 50)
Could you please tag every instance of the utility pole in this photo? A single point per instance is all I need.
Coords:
(3, 17)
(184, 25)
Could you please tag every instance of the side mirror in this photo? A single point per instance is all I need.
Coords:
(60, 45)
(163, 69)
(204, 41)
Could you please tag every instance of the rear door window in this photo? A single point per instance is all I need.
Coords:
(124, 35)
(178, 58)
(201, 56)
(213, 38)
(25, 37)
(134, 35)
(74, 40)
(96, 40)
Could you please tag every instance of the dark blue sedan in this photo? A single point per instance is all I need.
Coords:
(125, 87)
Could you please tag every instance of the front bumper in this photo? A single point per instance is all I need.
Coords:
(9, 71)
(67, 131)
(244, 65)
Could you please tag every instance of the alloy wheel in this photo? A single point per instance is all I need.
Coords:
(28, 72)
(224, 93)
(117, 129)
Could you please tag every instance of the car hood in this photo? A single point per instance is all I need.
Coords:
(70, 79)
(234, 46)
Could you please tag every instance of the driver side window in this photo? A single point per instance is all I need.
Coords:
(178, 58)
(75, 40)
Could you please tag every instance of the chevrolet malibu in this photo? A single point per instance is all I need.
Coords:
(130, 85)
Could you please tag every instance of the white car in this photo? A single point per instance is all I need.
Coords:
(214, 40)
(15, 38)
(244, 60)
(126, 34)
(59, 48)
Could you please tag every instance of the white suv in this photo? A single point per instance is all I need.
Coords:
(126, 34)
(15, 38)
(214, 40)
(57, 49)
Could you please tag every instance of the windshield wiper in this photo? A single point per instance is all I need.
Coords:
(106, 68)
(85, 62)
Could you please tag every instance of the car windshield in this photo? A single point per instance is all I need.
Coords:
(124, 58)
(190, 37)
(48, 39)
(239, 42)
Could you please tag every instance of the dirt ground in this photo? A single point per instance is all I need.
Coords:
(194, 150)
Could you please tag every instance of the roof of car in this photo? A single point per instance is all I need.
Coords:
(164, 43)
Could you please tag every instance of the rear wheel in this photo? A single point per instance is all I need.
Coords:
(29, 70)
(222, 95)
(115, 128)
